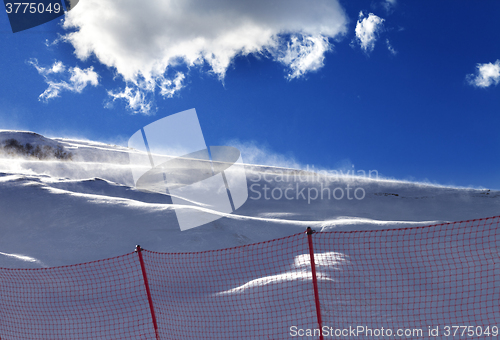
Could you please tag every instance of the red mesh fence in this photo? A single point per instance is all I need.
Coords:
(415, 278)
(97, 300)
(402, 280)
(249, 292)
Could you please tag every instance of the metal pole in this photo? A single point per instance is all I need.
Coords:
(309, 232)
(138, 250)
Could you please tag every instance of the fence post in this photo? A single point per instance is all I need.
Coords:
(309, 232)
(138, 250)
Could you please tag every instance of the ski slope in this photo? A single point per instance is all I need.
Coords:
(58, 212)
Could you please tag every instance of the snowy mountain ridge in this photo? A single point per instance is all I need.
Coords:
(65, 211)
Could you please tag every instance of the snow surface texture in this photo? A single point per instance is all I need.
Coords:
(57, 212)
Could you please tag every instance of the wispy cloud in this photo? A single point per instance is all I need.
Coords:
(486, 75)
(60, 78)
(367, 31)
(140, 97)
(304, 54)
(145, 41)
(168, 87)
(389, 5)
(390, 48)
(138, 101)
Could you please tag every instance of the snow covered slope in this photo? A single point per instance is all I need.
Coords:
(83, 207)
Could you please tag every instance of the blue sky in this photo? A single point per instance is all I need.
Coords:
(405, 88)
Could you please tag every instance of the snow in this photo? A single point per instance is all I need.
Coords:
(59, 212)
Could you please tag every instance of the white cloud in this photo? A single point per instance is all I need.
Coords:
(142, 40)
(367, 30)
(59, 78)
(304, 54)
(486, 75)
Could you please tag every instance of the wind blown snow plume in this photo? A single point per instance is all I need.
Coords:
(486, 75)
(23, 258)
(144, 41)
(254, 153)
(367, 30)
(59, 78)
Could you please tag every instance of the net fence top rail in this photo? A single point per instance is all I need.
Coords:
(69, 265)
(226, 249)
(493, 219)
(269, 241)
